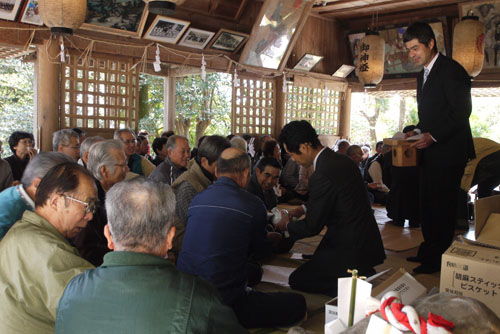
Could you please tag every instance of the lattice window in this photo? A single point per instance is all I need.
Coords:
(253, 106)
(101, 95)
(318, 106)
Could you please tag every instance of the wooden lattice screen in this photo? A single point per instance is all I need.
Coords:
(319, 106)
(253, 109)
(100, 95)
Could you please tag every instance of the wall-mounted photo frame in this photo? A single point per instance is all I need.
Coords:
(121, 17)
(488, 13)
(166, 29)
(9, 9)
(397, 63)
(196, 38)
(275, 32)
(30, 13)
(307, 62)
(228, 41)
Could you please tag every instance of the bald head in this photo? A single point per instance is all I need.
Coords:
(235, 164)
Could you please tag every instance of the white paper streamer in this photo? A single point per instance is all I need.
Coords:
(62, 54)
(284, 83)
(157, 62)
(203, 68)
(236, 80)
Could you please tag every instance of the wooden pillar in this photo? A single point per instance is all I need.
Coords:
(47, 94)
(280, 107)
(169, 105)
(345, 115)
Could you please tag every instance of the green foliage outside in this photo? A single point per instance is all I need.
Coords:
(16, 99)
(369, 127)
(202, 107)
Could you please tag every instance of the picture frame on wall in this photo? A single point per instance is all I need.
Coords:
(275, 32)
(31, 14)
(166, 29)
(121, 17)
(228, 41)
(9, 9)
(307, 62)
(488, 13)
(196, 38)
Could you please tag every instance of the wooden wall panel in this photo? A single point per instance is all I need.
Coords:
(321, 37)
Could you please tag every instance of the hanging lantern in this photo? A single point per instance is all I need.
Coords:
(63, 16)
(468, 44)
(163, 7)
(371, 57)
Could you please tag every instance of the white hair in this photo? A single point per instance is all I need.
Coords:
(100, 154)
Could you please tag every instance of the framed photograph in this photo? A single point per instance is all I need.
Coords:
(166, 29)
(275, 32)
(196, 38)
(228, 41)
(30, 13)
(122, 17)
(9, 9)
(488, 13)
(397, 63)
(307, 62)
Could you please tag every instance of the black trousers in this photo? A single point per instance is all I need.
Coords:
(271, 309)
(321, 272)
(439, 190)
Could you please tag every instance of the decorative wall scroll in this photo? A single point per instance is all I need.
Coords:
(122, 17)
(166, 29)
(273, 32)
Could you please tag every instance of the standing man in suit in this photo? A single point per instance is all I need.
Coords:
(444, 106)
(338, 200)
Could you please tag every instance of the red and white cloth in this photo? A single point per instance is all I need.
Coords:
(406, 318)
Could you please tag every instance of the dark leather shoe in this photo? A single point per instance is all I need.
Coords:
(426, 269)
(414, 259)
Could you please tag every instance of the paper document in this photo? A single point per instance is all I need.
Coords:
(401, 136)
(297, 256)
(277, 275)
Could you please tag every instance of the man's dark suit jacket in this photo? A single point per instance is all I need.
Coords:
(338, 200)
(444, 107)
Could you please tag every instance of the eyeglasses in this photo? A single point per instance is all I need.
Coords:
(89, 206)
(130, 141)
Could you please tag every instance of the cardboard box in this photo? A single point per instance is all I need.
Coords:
(472, 271)
(472, 268)
(402, 154)
(408, 287)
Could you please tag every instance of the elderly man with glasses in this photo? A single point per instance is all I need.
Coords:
(107, 163)
(136, 163)
(37, 259)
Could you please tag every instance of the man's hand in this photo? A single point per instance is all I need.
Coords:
(410, 134)
(374, 185)
(424, 142)
(31, 152)
(285, 218)
(297, 212)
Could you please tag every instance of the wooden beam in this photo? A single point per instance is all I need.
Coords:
(238, 14)
(345, 115)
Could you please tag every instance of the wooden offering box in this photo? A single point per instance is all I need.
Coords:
(402, 154)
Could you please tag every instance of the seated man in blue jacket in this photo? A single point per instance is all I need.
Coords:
(225, 225)
(136, 290)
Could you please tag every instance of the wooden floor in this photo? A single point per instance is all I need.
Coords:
(393, 238)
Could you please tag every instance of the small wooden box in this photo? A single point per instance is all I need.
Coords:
(402, 154)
